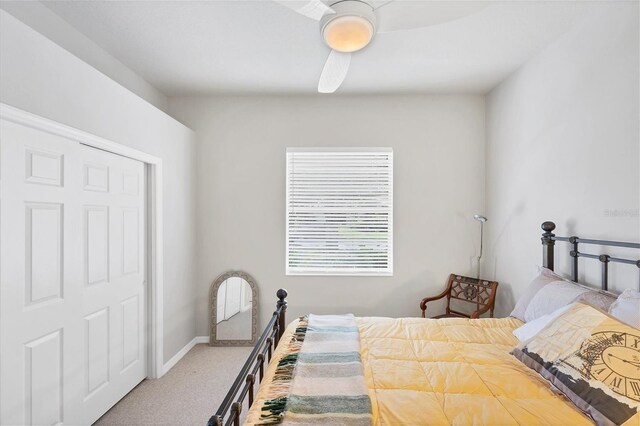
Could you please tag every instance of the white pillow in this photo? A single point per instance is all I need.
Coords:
(551, 297)
(627, 308)
(546, 276)
(598, 299)
(531, 328)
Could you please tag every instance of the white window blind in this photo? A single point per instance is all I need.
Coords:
(340, 211)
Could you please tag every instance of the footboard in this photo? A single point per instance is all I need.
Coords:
(245, 381)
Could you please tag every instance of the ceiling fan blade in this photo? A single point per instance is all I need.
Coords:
(334, 71)
(314, 9)
(408, 15)
(377, 4)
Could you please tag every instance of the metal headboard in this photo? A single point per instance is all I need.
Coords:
(548, 244)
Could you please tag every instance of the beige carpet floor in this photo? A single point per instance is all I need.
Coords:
(188, 394)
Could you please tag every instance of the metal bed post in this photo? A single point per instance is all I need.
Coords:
(548, 244)
(605, 259)
(282, 307)
(574, 258)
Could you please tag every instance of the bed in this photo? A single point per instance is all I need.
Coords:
(424, 371)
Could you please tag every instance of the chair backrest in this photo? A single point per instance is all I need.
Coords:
(479, 293)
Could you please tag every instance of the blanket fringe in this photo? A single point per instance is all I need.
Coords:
(273, 409)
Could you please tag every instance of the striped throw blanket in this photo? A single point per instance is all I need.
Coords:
(320, 381)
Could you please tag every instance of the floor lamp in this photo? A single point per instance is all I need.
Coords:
(482, 220)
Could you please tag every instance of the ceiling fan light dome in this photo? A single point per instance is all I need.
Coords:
(348, 33)
(351, 28)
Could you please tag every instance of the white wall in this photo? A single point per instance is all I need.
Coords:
(438, 144)
(563, 145)
(38, 76)
(39, 17)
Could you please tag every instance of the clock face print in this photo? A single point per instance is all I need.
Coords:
(612, 358)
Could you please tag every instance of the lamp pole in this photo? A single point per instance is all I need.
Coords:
(482, 220)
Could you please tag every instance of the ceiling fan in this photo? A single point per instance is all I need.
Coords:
(348, 26)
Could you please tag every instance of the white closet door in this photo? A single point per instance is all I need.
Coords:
(114, 308)
(72, 294)
(41, 366)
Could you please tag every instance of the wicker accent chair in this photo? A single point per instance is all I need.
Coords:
(479, 293)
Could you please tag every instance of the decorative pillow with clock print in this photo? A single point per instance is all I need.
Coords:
(593, 359)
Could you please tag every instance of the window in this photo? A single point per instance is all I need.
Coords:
(339, 211)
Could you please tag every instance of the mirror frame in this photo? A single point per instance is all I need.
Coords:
(213, 305)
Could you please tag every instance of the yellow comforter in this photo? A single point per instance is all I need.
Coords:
(448, 371)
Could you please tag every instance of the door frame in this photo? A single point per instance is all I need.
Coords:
(154, 230)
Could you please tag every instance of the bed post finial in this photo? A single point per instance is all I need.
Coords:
(215, 421)
(548, 244)
(282, 303)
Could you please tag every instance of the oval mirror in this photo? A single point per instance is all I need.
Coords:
(233, 310)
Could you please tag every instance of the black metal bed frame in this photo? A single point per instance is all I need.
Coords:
(549, 240)
(231, 406)
(245, 381)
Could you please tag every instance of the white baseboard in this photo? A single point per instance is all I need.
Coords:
(182, 352)
(202, 339)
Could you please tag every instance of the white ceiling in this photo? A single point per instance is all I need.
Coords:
(210, 47)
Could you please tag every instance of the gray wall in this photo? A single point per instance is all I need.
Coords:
(438, 144)
(40, 77)
(563, 144)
